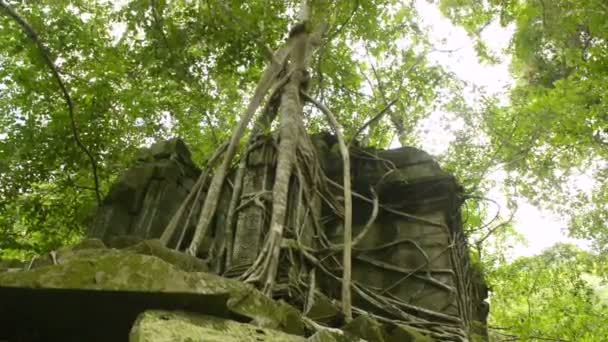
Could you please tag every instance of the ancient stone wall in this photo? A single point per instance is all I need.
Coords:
(145, 197)
(415, 251)
(411, 264)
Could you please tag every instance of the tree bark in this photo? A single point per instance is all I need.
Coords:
(291, 116)
(207, 213)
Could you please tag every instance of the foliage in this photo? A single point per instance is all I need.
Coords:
(549, 296)
(142, 70)
(548, 140)
(553, 131)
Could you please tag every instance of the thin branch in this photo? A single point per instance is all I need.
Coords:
(344, 24)
(494, 229)
(391, 210)
(368, 225)
(496, 216)
(374, 120)
(45, 53)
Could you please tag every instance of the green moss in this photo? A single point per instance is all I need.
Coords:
(478, 331)
(110, 269)
(330, 336)
(183, 261)
(106, 269)
(248, 301)
(323, 309)
(88, 244)
(367, 328)
(402, 333)
(163, 326)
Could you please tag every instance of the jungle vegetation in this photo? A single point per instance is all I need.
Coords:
(85, 83)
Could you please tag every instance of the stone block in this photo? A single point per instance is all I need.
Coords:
(163, 326)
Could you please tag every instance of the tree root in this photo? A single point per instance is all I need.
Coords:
(189, 201)
(208, 211)
(348, 208)
(294, 232)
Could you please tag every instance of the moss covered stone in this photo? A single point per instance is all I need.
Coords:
(10, 264)
(401, 333)
(106, 269)
(369, 329)
(330, 336)
(183, 261)
(366, 328)
(88, 244)
(324, 310)
(128, 270)
(162, 326)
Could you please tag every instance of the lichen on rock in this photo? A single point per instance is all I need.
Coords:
(370, 329)
(162, 326)
(130, 270)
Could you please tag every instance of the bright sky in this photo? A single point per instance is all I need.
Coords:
(542, 229)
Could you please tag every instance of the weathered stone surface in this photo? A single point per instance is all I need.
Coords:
(330, 336)
(365, 328)
(324, 310)
(127, 270)
(107, 269)
(159, 326)
(263, 311)
(123, 241)
(414, 253)
(146, 196)
(250, 220)
(168, 148)
(182, 261)
(10, 265)
(88, 244)
(411, 259)
(401, 333)
(371, 330)
(409, 252)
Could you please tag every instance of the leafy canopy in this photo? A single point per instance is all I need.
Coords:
(553, 133)
(142, 70)
(553, 295)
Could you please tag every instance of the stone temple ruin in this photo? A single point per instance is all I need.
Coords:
(412, 276)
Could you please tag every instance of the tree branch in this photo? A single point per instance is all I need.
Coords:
(44, 52)
(374, 120)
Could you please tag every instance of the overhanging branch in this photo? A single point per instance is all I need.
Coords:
(44, 52)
